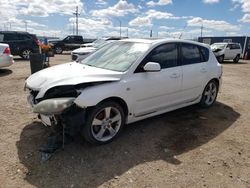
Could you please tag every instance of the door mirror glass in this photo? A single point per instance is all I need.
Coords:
(152, 67)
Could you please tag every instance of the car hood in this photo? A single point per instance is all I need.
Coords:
(69, 74)
(88, 44)
(83, 50)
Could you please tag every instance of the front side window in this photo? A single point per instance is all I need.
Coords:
(117, 56)
(190, 54)
(166, 55)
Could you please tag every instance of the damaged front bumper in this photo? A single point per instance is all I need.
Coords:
(59, 111)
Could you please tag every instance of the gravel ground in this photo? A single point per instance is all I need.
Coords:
(190, 147)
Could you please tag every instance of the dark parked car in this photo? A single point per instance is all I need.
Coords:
(21, 43)
(71, 42)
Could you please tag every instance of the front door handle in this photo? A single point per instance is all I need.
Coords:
(203, 70)
(174, 75)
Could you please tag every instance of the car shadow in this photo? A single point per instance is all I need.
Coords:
(160, 138)
(231, 62)
(17, 58)
(5, 72)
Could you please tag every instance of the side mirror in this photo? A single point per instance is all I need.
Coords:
(152, 67)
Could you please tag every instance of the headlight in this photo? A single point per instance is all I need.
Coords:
(61, 91)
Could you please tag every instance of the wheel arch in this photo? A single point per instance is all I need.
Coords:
(118, 100)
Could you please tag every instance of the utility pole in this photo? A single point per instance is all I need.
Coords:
(76, 14)
(201, 29)
(151, 33)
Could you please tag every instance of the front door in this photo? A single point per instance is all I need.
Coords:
(155, 91)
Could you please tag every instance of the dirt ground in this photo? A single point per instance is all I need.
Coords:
(190, 147)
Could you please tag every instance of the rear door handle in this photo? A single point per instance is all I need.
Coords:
(174, 75)
(203, 70)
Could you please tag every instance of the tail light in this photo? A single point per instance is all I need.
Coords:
(7, 50)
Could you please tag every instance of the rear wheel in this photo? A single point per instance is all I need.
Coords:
(26, 54)
(236, 59)
(103, 123)
(209, 94)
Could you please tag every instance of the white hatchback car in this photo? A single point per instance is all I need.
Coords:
(124, 82)
(6, 59)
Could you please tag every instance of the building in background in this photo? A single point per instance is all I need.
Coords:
(243, 40)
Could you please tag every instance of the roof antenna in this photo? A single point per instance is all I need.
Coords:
(185, 26)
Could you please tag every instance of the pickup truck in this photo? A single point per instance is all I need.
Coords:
(70, 42)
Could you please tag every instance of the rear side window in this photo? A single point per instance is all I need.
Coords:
(204, 54)
(166, 55)
(190, 54)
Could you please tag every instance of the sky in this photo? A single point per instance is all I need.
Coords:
(166, 18)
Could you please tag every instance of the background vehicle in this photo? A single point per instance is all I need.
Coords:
(6, 59)
(20, 43)
(81, 53)
(70, 42)
(227, 51)
(101, 40)
(124, 82)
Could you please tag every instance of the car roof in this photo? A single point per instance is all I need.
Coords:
(226, 43)
(159, 41)
(19, 32)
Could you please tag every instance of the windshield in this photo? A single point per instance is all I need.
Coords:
(100, 44)
(98, 41)
(219, 46)
(116, 56)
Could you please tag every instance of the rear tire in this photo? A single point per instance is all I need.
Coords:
(103, 123)
(209, 94)
(237, 58)
(26, 54)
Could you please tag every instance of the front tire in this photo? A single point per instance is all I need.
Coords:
(221, 59)
(58, 50)
(209, 94)
(103, 123)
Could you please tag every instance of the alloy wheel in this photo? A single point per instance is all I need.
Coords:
(26, 54)
(106, 124)
(210, 93)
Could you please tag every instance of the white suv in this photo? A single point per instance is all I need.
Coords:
(124, 82)
(227, 51)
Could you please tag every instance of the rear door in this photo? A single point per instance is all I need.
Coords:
(194, 68)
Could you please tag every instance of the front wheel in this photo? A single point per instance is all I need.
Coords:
(58, 50)
(209, 94)
(103, 122)
(221, 59)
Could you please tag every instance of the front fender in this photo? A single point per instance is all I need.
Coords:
(93, 95)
